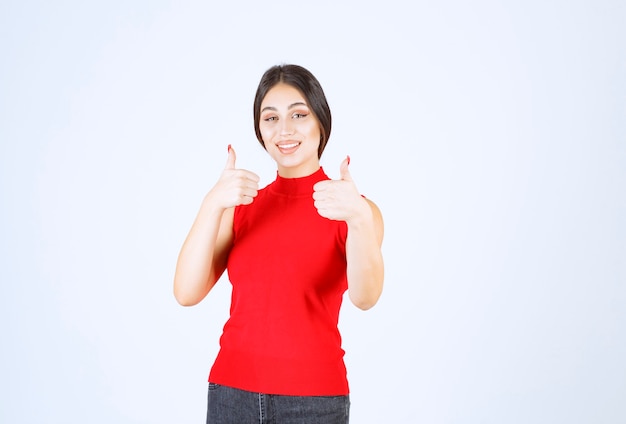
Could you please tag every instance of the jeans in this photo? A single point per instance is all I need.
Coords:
(228, 405)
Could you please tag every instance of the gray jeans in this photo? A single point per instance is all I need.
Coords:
(228, 405)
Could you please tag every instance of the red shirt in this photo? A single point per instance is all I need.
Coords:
(287, 267)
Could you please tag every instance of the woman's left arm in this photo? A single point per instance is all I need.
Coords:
(340, 200)
(364, 256)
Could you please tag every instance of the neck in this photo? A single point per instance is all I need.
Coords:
(298, 172)
(298, 186)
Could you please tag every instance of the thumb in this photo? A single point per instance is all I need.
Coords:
(343, 169)
(230, 162)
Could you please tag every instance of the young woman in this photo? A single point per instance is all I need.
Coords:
(291, 249)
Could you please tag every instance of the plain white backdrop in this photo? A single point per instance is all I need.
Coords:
(491, 134)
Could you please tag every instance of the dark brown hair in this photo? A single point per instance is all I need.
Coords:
(305, 82)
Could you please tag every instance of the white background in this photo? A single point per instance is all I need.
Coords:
(491, 134)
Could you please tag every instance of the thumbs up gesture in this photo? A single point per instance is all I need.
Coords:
(339, 199)
(235, 186)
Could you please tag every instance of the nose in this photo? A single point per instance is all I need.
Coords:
(287, 127)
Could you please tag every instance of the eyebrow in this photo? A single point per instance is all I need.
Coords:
(291, 106)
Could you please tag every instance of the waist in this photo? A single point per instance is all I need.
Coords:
(311, 374)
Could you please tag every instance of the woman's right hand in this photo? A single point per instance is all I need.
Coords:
(235, 186)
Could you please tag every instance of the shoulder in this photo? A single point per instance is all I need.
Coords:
(373, 205)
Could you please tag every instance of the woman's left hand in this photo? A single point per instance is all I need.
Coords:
(339, 199)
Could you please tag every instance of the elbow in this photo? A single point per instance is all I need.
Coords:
(364, 302)
(185, 301)
(364, 306)
(186, 297)
(364, 294)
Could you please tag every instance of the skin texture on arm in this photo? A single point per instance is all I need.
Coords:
(364, 257)
(340, 200)
(204, 254)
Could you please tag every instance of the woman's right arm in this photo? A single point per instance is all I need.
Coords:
(204, 254)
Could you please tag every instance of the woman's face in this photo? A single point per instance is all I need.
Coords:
(290, 131)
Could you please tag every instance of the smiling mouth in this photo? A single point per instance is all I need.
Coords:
(287, 147)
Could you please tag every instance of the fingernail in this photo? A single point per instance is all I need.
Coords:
(348, 159)
(229, 147)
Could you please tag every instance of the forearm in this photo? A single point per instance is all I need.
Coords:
(365, 267)
(202, 258)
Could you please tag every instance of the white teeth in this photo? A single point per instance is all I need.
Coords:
(288, 146)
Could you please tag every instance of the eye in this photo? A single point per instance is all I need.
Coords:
(300, 115)
(270, 119)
